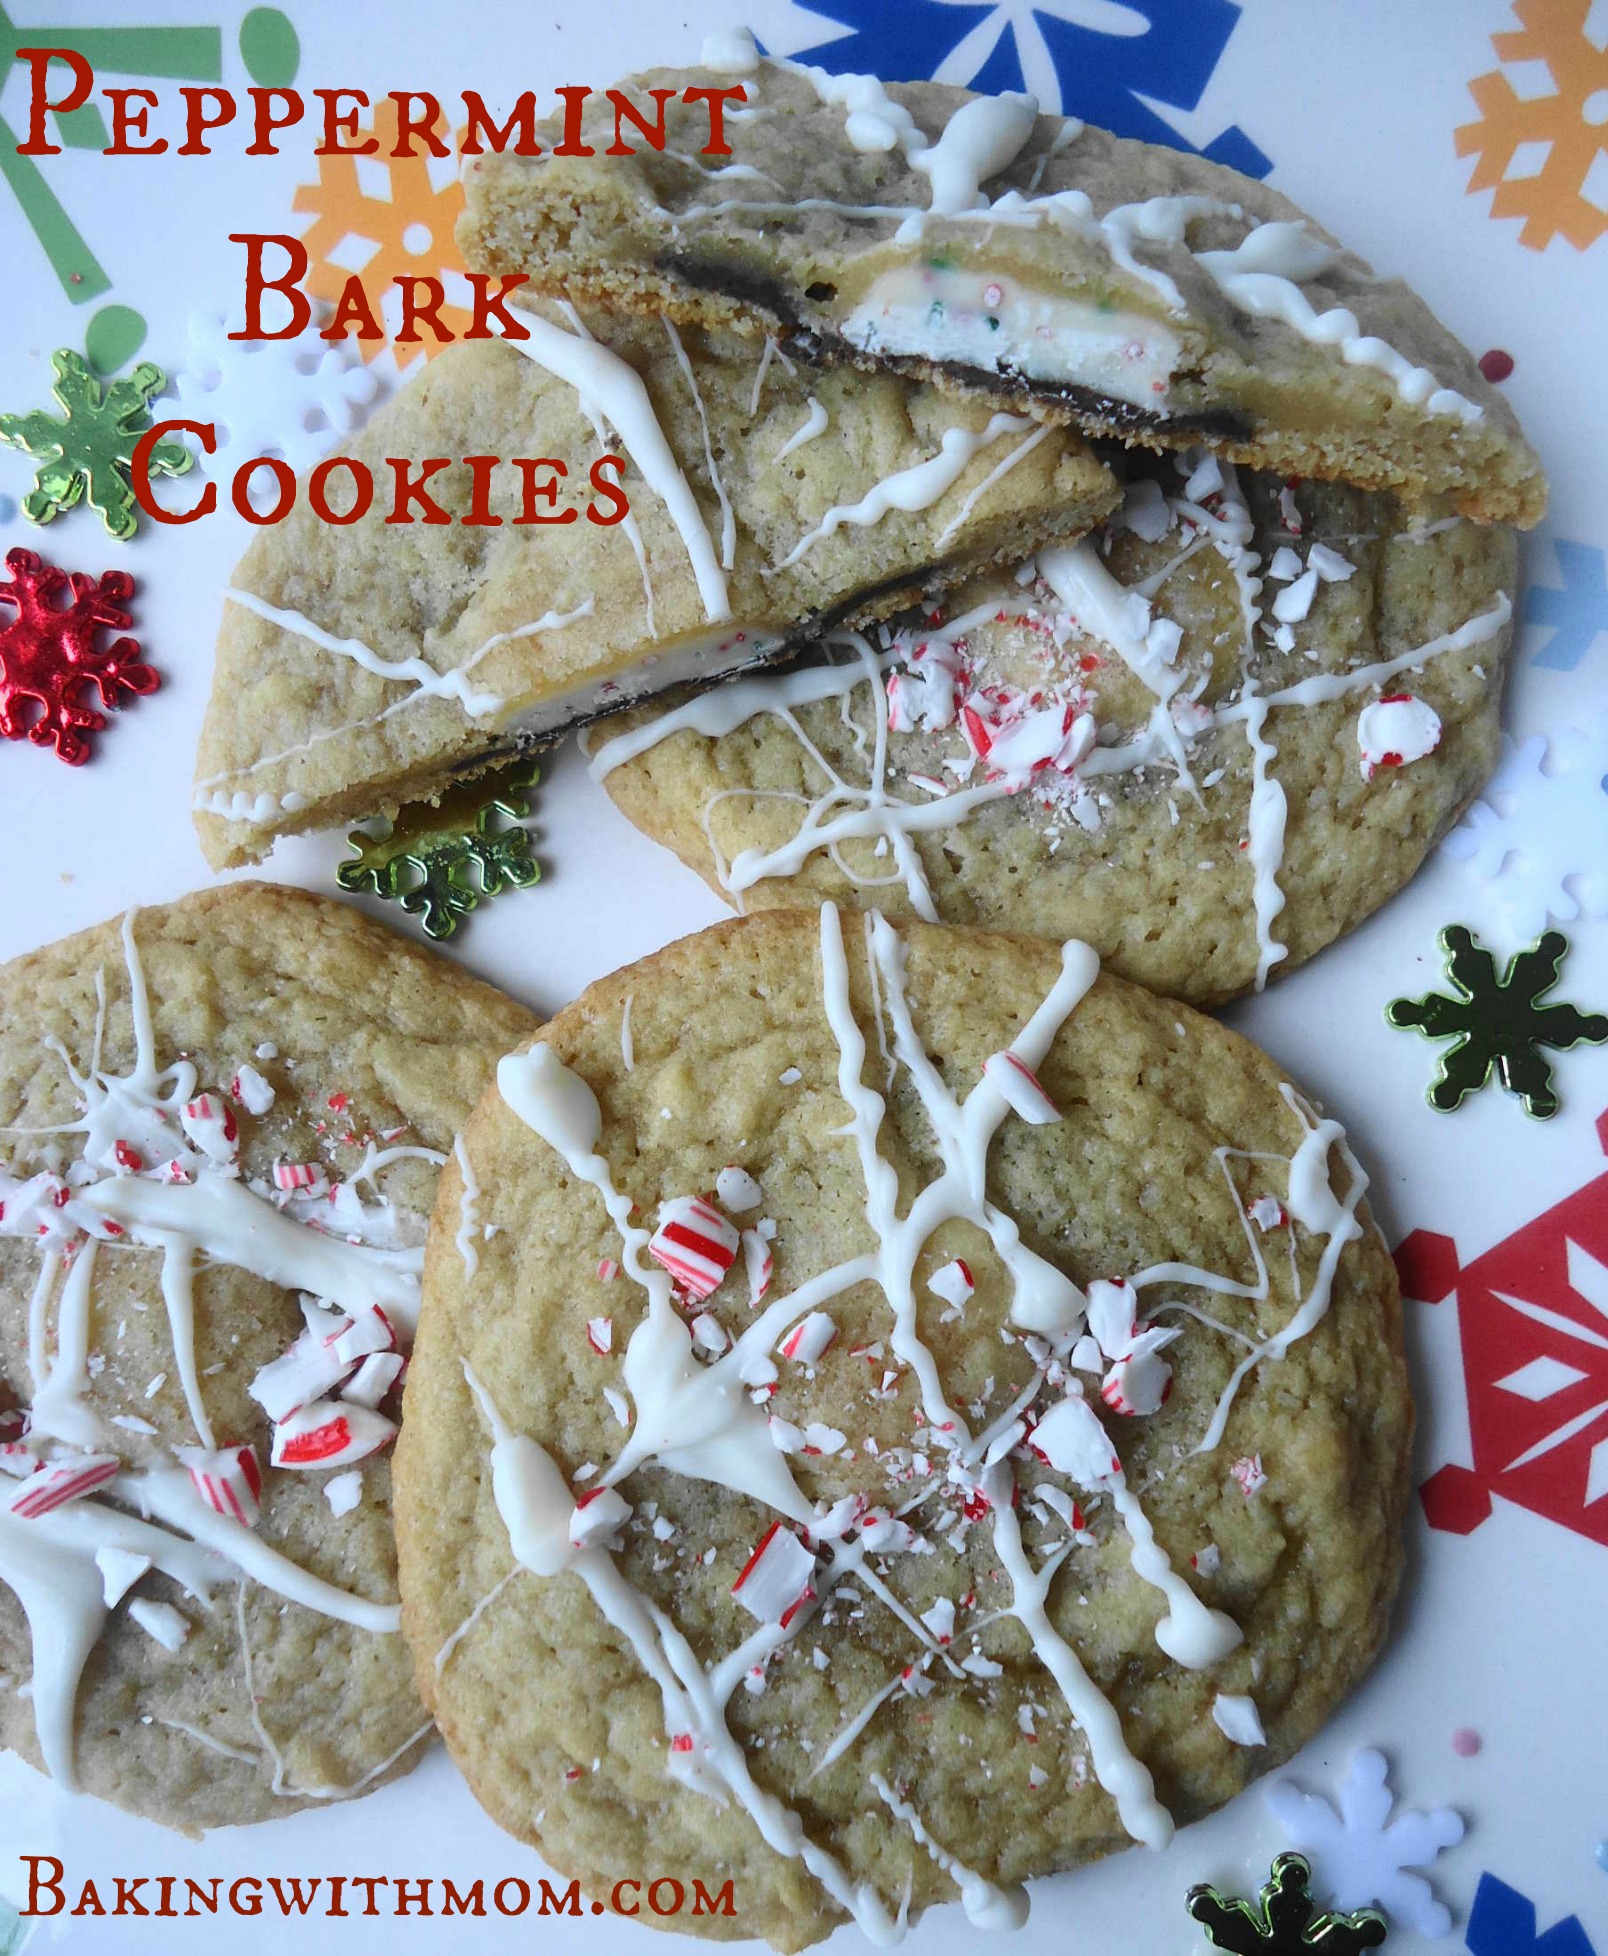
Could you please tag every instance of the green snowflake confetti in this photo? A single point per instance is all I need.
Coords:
(1282, 1921)
(1498, 1022)
(438, 859)
(87, 454)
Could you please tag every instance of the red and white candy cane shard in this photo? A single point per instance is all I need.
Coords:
(252, 1091)
(17, 1460)
(330, 1433)
(709, 1334)
(209, 1124)
(940, 1620)
(695, 1243)
(306, 1372)
(600, 1335)
(370, 1331)
(759, 1264)
(1019, 1086)
(128, 1157)
(607, 1270)
(1071, 1439)
(1138, 1384)
(66, 1479)
(777, 1580)
(1248, 1474)
(953, 1283)
(809, 1338)
(737, 1190)
(598, 1518)
(1267, 1212)
(1396, 729)
(228, 1479)
(373, 1379)
(1113, 1312)
(292, 1176)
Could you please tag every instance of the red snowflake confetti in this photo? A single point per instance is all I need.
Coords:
(1497, 365)
(50, 658)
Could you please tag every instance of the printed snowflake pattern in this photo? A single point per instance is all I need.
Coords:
(87, 454)
(1545, 155)
(1363, 1857)
(1119, 63)
(1503, 1923)
(383, 217)
(1282, 1921)
(1576, 610)
(1497, 1023)
(1539, 834)
(290, 398)
(50, 657)
(439, 860)
(1532, 1320)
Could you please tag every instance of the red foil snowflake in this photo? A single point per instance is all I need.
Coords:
(50, 658)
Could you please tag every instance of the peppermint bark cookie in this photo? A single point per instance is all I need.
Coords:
(224, 1121)
(965, 238)
(914, 1417)
(1210, 738)
(373, 663)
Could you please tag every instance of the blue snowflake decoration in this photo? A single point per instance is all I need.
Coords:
(1576, 611)
(1105, 61)
(1502, 1923)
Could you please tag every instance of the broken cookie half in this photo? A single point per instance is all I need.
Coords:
(366, 663)
(968, 240)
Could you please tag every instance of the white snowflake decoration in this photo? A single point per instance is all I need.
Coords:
(288, 398)
(1539, 835)
(1361, 1858)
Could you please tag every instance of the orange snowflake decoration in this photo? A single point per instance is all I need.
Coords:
(380, 218)
(1546, 157)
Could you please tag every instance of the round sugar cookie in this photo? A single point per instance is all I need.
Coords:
(893, 1413)
(224, 1119)
(1210, 738)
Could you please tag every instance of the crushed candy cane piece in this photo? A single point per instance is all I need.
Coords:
(252, 1091)
(695, 1243)
(821, 1438)
(1329, 564)
(778, 1579)
(305, 1177)
(1285, 565)
(1019, 1087)
(759, 1263)
(1247, 1472)
(1087, 1356)
(1113, 1313)
(598, 1518)
(607, 1270)
(17, 1460)
(343, 1492)
(1145, 510)
(373, 1379)
(209, 1124)
(737, 1190)
(1237, 1718)
(1204, 481)
(228, 1479)
(1267, 1212)
(809, 1338)
(619, 1405)
(306, 1372)
(1061, 1503)
(953, 1283)
(119, 1569)
(600, 1335)
(1395, 729)
(370, 1331)
(1141, 1379)
(1071, 1439)
(785, 1436)
(940, 1620)
(1294, 602)
(160, 1620)
(709, 1334)
(1207, 1561)
(63, 1480)
(327, 1433)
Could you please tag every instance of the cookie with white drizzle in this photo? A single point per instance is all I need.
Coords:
(223, 1123)
(1138, 291)
(365, 664)
(1210, 738)
(755, 1517)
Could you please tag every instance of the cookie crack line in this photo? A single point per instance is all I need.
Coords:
(700, 1420)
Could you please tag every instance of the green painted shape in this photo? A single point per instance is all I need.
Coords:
(70, 258)
(157, 53)
(114, 336)
(269, 47)
(85, 455)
